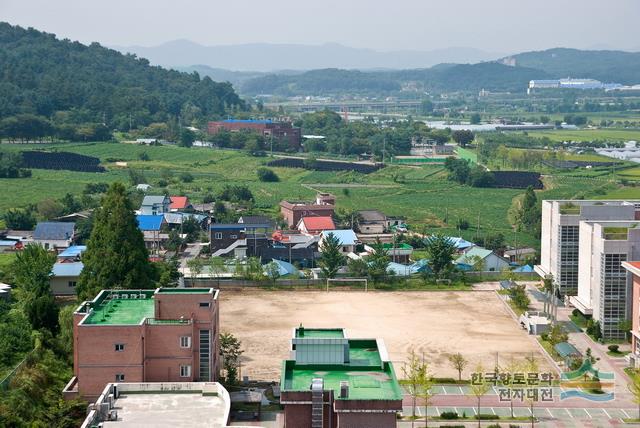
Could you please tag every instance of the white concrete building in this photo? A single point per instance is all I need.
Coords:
(604, 286)
(560, 238)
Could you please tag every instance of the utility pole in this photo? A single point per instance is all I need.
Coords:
(478, 229)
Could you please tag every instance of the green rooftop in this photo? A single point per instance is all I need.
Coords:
(319, 333)
(368, 376)
(121, 312)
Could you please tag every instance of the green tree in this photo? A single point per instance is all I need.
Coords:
(378, 261)
(187, 137)
(195, 266)
(116, 256)
(463, 137)
(231, 351)
(19, 219)
(417, 380)
(440, 250)
(218, 266)
(634, 388)
(557, 334)
(478, 388)
(358, 268)
(273, 271)
(32, 269)
(475, 118)
(331, 259)
(267, 175)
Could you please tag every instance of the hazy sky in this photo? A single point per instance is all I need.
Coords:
(491, 25)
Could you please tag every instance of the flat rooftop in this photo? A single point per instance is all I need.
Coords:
(368, 376)
(121, 312)
(184, 409)
(320, 333)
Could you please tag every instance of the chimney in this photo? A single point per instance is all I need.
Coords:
(344, 389)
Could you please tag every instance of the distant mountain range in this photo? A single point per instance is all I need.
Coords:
(331, 68)
(272, 57)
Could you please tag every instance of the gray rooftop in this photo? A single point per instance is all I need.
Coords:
(54, 231)
(154, 200)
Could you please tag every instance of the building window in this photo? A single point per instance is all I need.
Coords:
(217, 235)
(185, 370)
(233, 236)
(119, 377)
(119, 347)
(204, 304)
(72, 284)
(185, 341)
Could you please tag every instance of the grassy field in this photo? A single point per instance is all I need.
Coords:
(422, 194)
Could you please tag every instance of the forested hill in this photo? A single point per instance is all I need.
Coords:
(607, 66)
(68, 81)
(445, 77)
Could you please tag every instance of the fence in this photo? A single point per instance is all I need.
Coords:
(4, 383)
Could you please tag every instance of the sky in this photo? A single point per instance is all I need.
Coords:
(490, 25)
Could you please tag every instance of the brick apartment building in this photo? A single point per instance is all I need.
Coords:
(162, 335)
(324, 206)
(282, 131)
(337, 382)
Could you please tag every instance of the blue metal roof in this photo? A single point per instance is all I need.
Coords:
(150, 222)
(247, 121)
(54, 230)
(8, 243)
(524, 269)
(345, 237)
(67, 269)
(73, 251)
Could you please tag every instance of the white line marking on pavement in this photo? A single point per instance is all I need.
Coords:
(461, 391)
(437, 411)
(418, 410)
(627, 414)
(606, 413)
(585, 410)
(548, 411)
(570, 414)
(493, 410)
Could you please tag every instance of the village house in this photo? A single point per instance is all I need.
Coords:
(54, 235)
(347, 239)
(315, 225)
(323, 206)
(154, 205)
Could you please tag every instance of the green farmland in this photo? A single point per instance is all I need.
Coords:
(423, 195)
(609, 134)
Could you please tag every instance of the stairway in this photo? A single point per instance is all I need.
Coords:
(317, 392)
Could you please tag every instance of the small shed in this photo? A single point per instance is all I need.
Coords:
(567, 352)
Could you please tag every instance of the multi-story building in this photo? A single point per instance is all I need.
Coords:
(634, 269)
(162, 335)
(324, 206)
(282, 131)
(155, 205)
(560, 238)
(604, 287)
(334, 381)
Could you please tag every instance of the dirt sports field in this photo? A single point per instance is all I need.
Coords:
(475, 324)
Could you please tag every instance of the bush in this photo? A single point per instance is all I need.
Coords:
(576, 313)
(162, 183)
(462, 224)
(449, 415)
(186, 177)
(267, 175)
(614, 348)
(544, 336)
(485, 417)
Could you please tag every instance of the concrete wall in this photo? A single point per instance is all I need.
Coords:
(60, 285)
(635, 316)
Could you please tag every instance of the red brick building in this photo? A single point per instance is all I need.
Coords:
(324, 206)
(163, 335)
(278, 130)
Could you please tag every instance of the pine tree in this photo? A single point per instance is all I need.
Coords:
(116, 256)
(332, 259)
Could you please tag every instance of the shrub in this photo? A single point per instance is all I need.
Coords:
(267, 175)
(162, 183)
(576, 313)
(449, 415)
(614, 348)
(485, 416)
(462, 224)
(544, 336)
(186, 177)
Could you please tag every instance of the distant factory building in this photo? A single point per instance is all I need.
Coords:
(268, 128)
(570, 84)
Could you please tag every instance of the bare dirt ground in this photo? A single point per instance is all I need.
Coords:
(437, 324)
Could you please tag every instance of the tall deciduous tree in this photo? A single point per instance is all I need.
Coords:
(462, 137)
(231, 351)
(459, 363)
(478, 388)
(331, 259)
(116, 256)
(378, 261)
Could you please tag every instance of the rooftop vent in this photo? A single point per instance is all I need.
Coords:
(344, 389)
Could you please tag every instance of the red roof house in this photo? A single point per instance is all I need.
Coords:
(179, 203)
(315, 225)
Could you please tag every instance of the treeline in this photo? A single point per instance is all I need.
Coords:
(69, 83)
(462, 172)
(367, 136)
(30, 127)
(11, 166)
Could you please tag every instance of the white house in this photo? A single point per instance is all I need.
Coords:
(347, 238)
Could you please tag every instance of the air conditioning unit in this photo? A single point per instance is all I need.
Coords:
(113, 415)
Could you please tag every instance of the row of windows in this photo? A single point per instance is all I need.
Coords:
(185, 342)
(185, 371)
(218, 235)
